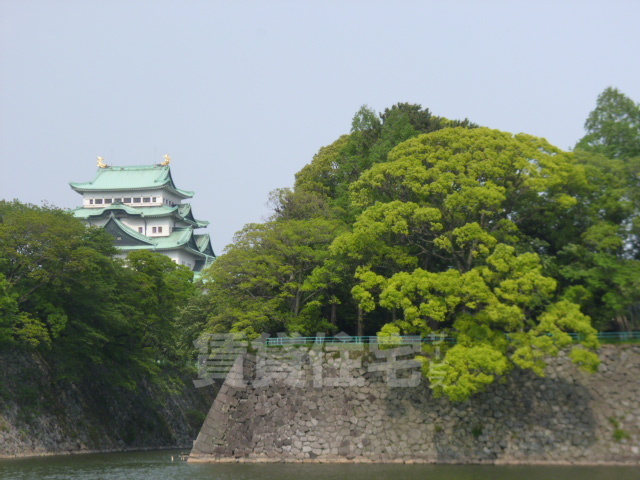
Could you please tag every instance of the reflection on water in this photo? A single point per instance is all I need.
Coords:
(157, 465)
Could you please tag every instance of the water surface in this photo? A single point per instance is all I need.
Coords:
(157, 465)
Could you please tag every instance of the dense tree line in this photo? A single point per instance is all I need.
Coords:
(416, 224)
(64, 294)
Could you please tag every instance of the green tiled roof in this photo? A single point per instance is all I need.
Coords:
(131, 232)
(187, 214)
(141, 177)
(178, 239)
(182, 212)
(160, 211)
(204, 244)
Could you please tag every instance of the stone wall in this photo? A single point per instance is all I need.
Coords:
(567, 416)
(41, 414)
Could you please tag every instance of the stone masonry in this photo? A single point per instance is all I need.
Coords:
(568, 416)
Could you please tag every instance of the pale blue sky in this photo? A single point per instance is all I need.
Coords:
(242, 94)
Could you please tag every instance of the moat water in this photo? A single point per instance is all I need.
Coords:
(158, 465)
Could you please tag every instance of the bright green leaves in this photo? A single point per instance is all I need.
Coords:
(485, 184)
(499, 294)
(362, 293)
(466, 243)
(473, 171)
(496, 312)
(382, 233)
(550, 335)
(466, 370)
(31, 331)
(424, 297)
(518, 279)
(604, 237)
(473, 233)
(442, 240)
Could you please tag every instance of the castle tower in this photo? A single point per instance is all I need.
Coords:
(142, 208)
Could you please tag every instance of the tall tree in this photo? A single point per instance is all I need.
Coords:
(613, 127)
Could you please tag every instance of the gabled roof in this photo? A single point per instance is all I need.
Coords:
(204, 244)
(187, 214)
(126, 236)
(140, 177)
(183, 238)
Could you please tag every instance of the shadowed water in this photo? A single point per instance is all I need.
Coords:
(157, 465)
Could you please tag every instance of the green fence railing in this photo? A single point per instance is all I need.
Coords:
(413, 339)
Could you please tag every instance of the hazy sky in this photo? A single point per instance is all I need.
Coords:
(243, 94)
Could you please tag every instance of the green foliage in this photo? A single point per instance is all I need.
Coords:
(160, 288)
(63, 294)
(618, 433)
(613, 128)
(372, 137)
(599, 268)
(261, 283)
(447, 236)
(416, 224)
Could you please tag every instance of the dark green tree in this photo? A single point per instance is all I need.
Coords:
(260, 283)
(613, 128)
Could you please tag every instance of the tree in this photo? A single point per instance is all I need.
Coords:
(42, 249)
(613, 128)
(259, 284)
(448, 236)
(159, 289)
(372, 137)
(64, 294)
(598, 268)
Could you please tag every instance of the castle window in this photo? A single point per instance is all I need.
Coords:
(91, 201)
(154, 199)
(108, 200)
(140, 229)
(136, 200)
(127, 200)
(146, 199)
(98, 201)
(159, 229)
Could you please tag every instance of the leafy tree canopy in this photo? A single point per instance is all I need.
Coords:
(448, 238)
(613, 128)
(413, 223)
(63, 293)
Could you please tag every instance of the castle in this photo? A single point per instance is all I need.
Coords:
(142, 208)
